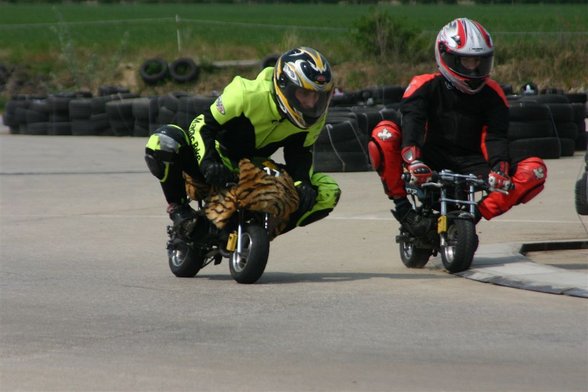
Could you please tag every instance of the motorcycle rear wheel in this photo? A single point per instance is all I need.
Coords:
(248, 266)
(184, 261)
(458, 253)
(412, 256)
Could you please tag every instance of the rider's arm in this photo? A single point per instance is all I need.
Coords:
(298, 158)
(496, 139)
(414, 108)
(205, 128)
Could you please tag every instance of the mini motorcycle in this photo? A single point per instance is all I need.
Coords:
(448, 202)
(236, 223)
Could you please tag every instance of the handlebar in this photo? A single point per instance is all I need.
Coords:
(448, 177)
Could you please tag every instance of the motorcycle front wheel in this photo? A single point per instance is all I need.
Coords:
(248, 265)
(184, 260)
(461, 244)
(411, 255)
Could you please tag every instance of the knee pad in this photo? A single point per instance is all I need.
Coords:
(157, 167)
(167, 140)
(384, 149)
(162, 149)
(529, 178)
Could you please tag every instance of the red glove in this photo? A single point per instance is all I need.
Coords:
(498, 177)
(419, 173)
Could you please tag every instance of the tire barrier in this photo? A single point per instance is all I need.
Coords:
(548, 126)
(536, 121)
(581, 190)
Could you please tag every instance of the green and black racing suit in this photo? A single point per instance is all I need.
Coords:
(243, 122)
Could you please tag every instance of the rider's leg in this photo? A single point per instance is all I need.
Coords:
(384, 149)
(528, 179)
(327, 197)
(168, 154)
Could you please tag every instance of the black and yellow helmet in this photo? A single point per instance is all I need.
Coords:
(303, 85)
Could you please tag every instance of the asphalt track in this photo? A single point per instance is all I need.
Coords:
(87, 301)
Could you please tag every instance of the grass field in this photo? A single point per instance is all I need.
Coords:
(81, 46)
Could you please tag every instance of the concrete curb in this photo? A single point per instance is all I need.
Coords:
(505, 265)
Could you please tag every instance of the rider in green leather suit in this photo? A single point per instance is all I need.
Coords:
(284, 107)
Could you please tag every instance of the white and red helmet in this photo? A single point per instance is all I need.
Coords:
(464, 53)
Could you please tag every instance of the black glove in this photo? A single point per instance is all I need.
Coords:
(215, 173)
(307, 195)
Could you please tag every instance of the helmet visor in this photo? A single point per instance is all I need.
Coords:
(469, 66)
(311, 104)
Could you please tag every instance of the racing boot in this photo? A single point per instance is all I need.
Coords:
(183, 218)
(411, 220)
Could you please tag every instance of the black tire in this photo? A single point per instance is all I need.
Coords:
(184, 261)
(577, 97)
(561, 112)
(120, 116)
(194, 104)
(140, 109)
(567, 130)
(249, 266)
(546, 98)
(183, 119)
(59, 128)
(581, 193)
(270, 61)
(341, 162)
(528, 111)
(110, 90)
(544, 147)
(530, 129)
(36, 128)
(341, 147)
(457, 255)
(568, 147)
(154, 71)
(184, 70)
(411, 256)
(80, 108)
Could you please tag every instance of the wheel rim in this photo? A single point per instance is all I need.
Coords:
(239, 260)
(178, 257)
(407, 249)
(449, 249)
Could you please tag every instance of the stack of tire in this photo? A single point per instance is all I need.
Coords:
(36, 117)
(178, 108)
(59, 117)
(388, 96)
(531, 131)
(581, 190)
(342, 144)
(104, 115)
(41, 115)
(548, 126)
(580, 109)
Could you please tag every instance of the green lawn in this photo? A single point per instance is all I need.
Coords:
(91, 38)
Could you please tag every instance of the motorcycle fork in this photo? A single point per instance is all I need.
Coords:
(235, 241)
(442, 222)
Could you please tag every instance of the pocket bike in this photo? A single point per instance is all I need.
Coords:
(244, 241)
(449, 202)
